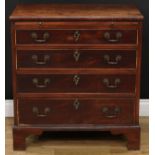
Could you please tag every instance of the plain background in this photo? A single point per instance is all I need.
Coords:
(143, 6)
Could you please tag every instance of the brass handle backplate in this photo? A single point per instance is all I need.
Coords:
(106, 81)
(109, 62)
(76, 79)
(34, 36)
(35, 110)
(112, 112)
(36, 61)
(76, 36)
(76, 104)
(76, 55)
(108, 38)
(36, 82)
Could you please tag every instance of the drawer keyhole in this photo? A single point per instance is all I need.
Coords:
(76, 55)
(76, 104)
(76, 36)
(76, 79)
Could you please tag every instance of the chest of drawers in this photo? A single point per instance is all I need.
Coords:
(76, 67)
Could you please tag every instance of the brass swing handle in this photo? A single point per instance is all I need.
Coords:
(111, 86)
(107, 37)
(111, 113)
(46, 58)
(34, 36)
(76, 36)
(117, 59)
(44, 85)
(38, 114)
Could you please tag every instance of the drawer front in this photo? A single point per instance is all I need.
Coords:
(75, 111)
(76, 36)
(76, 83)
(76, 58)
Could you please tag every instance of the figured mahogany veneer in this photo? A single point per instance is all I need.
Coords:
(75, 111)
(76, 67)
(55, 36)
(76, 58)
(76, 83)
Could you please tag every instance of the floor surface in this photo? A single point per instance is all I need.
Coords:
(78, 143)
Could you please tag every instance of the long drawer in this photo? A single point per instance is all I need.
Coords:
(76, 83)
(75, 111)
(65, 36)
(76, 58)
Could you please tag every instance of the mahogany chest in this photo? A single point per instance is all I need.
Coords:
(76, 67)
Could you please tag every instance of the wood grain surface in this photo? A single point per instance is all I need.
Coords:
(76, 12)
(79, 112)
(76, 58)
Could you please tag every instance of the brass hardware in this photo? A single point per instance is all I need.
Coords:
(108, 85)
(40, 23)
(45, 59)
(38, 114)
(108, 37)
(34, 36)
(76, 36)
(117, 59)
(76, 55)
(117, 110)
(111, 113)
(44, 85)
(105, 109)
(76, 79)
(76, 104)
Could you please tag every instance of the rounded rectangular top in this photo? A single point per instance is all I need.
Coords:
(75, 12)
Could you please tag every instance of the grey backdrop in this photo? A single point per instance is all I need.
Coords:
(143, 5)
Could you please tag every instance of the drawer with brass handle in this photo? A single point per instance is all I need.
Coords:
(71, 36)
(75, 110)
(76, 58)
(77, 83)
